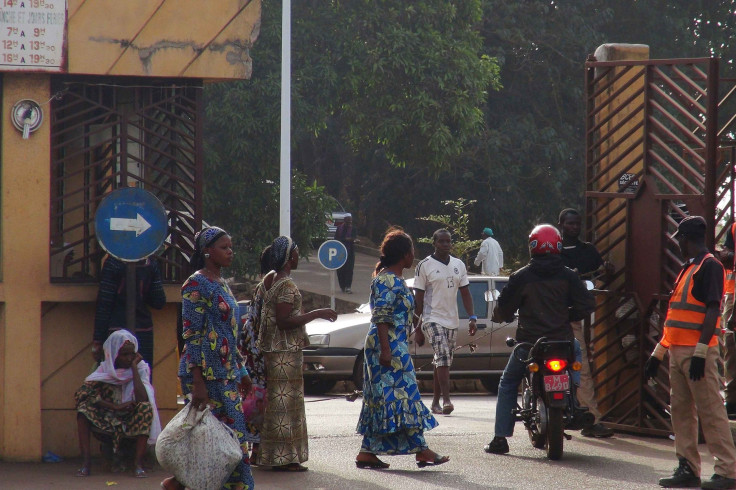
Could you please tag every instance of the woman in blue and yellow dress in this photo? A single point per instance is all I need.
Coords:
(393, 418)
(211, 368)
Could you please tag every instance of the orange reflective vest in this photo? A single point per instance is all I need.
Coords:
(730, 285)
(686, 314)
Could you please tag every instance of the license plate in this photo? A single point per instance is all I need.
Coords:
(557, 382)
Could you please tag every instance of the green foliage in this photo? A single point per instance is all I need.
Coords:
(456, 222)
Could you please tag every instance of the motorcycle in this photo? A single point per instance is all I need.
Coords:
(548, 404)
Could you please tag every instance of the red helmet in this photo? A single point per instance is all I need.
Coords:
(545, 239)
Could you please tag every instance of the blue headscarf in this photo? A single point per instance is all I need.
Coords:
(281, 249)
(203, 239)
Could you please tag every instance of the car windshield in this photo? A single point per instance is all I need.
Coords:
(480, 305)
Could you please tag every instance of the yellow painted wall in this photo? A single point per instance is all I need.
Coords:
(164, 38)
(25, 261)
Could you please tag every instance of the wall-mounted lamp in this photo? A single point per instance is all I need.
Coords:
(26, 116)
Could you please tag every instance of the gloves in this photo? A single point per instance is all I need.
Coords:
(697, 368)
(651, 367)
(697, 362)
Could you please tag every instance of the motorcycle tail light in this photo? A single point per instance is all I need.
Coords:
(555, 365)
(576, 366)
(533, 367)
(558, 396)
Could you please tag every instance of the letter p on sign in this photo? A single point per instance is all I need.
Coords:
(331, 253)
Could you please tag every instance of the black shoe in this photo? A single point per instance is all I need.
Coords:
(731, 410)
(683, 477)
(597, 430)
(718, 481)
(498, 445)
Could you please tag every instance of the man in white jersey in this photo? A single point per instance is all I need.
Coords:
(436, 283)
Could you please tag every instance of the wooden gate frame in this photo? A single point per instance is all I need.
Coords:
(656, 151)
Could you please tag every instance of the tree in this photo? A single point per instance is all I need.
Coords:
(399, 84)
(458, 224)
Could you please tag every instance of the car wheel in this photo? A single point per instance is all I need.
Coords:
(357, 378)
(491, 384)
(318, 386)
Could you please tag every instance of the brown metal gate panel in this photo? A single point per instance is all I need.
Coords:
(655, 152)
(111, 133)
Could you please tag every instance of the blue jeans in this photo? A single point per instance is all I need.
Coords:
(508, 390)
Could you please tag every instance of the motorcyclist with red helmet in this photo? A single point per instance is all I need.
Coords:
(548, 296)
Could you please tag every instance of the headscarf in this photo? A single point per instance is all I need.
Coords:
(281, 249)
(202, 240)
(488, 231)
(107, 373)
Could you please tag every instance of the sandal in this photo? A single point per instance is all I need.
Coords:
(436, 409)
(438, 460)
(140, 472)
(447, 408)
(296, 467)
(373, 465)
(83, 471)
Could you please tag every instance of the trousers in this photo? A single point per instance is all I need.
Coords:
(692, 400)
(586, 390)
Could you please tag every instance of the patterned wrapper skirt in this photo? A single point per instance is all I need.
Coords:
(284, 429)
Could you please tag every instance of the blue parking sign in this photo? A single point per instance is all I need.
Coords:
(332, 254)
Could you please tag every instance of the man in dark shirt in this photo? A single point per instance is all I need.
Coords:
(547, 295)
(584, 259)
(110, 310)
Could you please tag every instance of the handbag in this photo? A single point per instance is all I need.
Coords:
(198, 449)
(254, 405)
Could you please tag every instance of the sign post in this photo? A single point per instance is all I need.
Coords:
(332, 255)
(130, 225)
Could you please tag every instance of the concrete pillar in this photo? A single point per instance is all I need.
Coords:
(25, 265)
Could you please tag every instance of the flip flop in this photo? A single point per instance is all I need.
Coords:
(83, 471)
(438, 460)
(373, 465)
(436, 409)
(140, 473)
(447, 408)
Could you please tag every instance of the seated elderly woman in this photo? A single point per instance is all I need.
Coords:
(118, 400)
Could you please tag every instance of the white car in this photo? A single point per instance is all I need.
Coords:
(336, 350)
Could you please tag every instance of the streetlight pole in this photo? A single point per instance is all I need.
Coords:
(285, 167)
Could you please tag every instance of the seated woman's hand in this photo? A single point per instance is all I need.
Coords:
(126, 407)
(138, 358)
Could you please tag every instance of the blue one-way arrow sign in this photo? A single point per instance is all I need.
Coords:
(131, 224)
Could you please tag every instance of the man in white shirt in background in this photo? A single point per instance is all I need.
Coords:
(436, 283)
(490, 255)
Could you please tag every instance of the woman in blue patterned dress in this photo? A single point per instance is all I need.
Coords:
(393, 418)
(211, 368)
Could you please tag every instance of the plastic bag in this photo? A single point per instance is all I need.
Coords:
(198, 449)
(254, 405)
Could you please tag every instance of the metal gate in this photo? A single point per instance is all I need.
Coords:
(656, 151)
(111, 133)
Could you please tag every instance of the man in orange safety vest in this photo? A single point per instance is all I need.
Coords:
(690, 336)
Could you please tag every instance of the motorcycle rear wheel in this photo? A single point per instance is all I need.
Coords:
(535, 428)
(555, 433)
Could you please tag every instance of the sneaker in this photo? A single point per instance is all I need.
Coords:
(718, 481)
(683, 477)
(498, 445)
(348, 291)
(597, 430)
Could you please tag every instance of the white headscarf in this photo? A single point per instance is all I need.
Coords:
(107, 373)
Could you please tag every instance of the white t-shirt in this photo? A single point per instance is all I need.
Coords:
(440, 284)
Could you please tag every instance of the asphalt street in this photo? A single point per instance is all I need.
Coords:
(624, 461)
